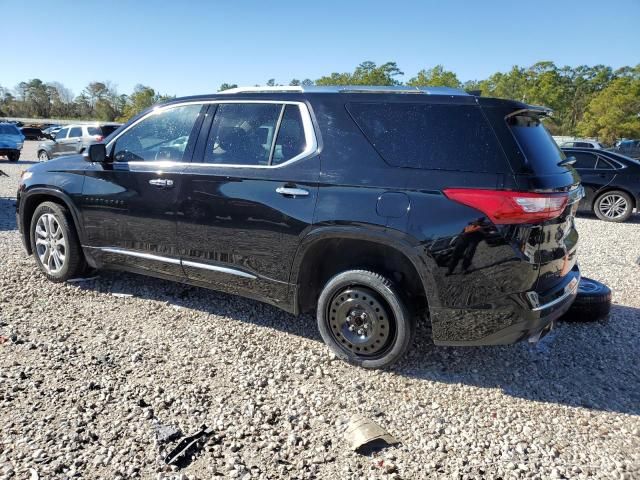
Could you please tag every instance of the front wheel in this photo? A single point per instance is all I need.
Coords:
(363, 319)
(14, 156)
(613, 206)
(43, 156)
(55, 244)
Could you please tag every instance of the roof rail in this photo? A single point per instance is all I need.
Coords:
(350, 89)
(263, 89)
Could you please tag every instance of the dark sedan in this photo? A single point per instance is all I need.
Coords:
(32, 133)
(611, 182)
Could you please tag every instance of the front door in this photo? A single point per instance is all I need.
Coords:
(60, 143)
(129, 203)
(248, 197)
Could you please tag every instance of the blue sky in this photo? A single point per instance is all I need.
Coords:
(191, 47)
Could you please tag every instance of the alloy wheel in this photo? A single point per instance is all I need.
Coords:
(613, 206)
(51, 244)
(42, 156)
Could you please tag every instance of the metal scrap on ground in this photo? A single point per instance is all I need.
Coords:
(366, 436)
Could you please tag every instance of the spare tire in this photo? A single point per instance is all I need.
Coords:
(592, 303)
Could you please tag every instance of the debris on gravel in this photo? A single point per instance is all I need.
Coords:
(87, 376)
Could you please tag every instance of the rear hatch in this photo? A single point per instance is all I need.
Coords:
(540, 166)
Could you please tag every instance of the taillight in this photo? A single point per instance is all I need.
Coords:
(99, 138)
(506, 207)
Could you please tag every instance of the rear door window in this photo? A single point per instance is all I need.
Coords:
(430, 136)
(75, 132)
(290, 141)
(585, 161)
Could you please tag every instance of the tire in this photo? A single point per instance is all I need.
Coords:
(14, 156)
(43, 156)
(52, 230)
(592, 303)
(374, 340)
(613, 206)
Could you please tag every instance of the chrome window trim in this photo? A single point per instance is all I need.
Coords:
(307, 126)
(176, 261)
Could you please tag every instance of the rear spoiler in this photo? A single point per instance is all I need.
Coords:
(533, 110)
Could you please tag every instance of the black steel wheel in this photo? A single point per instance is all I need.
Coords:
(363, 320)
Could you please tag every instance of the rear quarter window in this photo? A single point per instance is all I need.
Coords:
(540, 150)
(430, 136)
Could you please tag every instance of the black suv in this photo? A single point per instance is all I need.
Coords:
(372, 206)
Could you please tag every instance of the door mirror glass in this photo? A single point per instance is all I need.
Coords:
(96, 153)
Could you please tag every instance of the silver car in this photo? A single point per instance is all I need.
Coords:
(73, 139)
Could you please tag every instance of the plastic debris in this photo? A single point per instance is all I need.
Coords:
(184, 452)
(122, 295)
(366, 436)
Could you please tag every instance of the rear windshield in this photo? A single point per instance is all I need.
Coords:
(432, 137)
(536, 143)
(8, 130)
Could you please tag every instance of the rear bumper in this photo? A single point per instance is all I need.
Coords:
(524, 316)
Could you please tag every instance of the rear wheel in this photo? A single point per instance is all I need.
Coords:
(55, 244)
(363, 319)
(592, 303)
(613, 206)
(14, 156)
(43, 156)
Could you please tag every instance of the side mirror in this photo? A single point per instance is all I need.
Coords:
(96, 153)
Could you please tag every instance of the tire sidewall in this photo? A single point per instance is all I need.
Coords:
(624, 217)
(404, 324)
(71, 253)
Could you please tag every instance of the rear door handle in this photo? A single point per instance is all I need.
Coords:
(161, 182)
(292, 191)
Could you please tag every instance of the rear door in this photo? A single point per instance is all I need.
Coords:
(595, 174)
(73, 142)
(248, 197)
(129, 204)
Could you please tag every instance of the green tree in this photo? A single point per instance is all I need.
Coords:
(142, 98)
(615, 111)
(367, 73)
(435, 77)
(227, 86)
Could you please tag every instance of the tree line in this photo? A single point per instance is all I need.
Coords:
(591, 101)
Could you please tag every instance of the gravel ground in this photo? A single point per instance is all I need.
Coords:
(87, 375)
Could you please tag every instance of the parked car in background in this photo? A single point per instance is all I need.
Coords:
(628, 148)
(52, 130)
(369, 206)
(11, 141)
(582, 144)
(73, 139)
(32, 133)
(611, 182)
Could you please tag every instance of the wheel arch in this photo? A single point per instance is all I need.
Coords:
(30, 200)
(390, 254)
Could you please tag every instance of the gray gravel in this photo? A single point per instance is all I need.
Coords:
(90, 381)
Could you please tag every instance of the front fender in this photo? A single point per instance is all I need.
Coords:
(28, 200)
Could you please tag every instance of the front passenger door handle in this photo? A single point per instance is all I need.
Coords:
(292, 191)
(161, 182)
